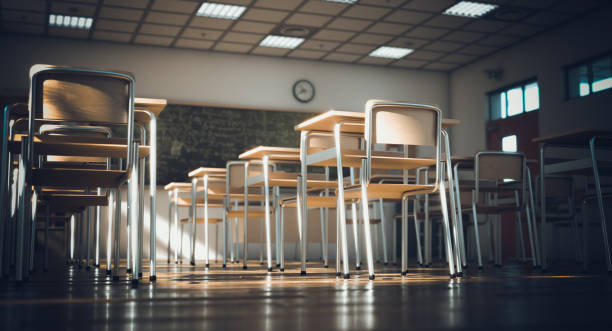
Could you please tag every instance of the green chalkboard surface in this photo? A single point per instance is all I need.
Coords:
(198, 136)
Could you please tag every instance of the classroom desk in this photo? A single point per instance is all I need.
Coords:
(340, 123)
(581, 139)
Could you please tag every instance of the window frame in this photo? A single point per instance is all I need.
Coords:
(521, 84)
(588, 62)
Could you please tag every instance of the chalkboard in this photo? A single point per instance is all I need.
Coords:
(198, 136)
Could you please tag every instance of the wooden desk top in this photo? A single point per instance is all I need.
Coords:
(156, 106)
(181, 186)
(327, 120)
(259, 152)
(200, 172)
(579, 137)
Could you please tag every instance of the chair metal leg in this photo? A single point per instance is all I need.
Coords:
(133, 189)
(281, 232)
(544, 252)
(117, 240)
(417, 232)
(366, 228)
(245, 254)
(109, 232)
(476, 235)
(519, 222)
(383, 232)
(224, 233)
(170, 217)
(206, 240)
(176, 229)
(128, 230)
(338, 267)
(459, 216)
(21, 217)
(192, 220)
(97, 219)
(394, 242)
(404, 255)
(602, 214)
(355, 227)
(534, 226)
(534, 256)
(153, 196)
(88, 238)
(302, 225)
(447, 229)
(277, 227)
(31, 254)
(267, 220)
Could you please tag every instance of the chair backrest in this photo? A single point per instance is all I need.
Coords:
(81, 131)
(84, 96)
(500, 167)
(400, 123)
(325, 141)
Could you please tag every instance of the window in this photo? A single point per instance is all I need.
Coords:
(514, 100)
(589, 77)
(509, 143)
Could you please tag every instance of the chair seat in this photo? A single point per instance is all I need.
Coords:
(200, 220)
(78, 146)
(77, 177)
(312, 202)
(387, 191)
(251, 213)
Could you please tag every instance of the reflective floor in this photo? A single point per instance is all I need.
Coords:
(185, 298)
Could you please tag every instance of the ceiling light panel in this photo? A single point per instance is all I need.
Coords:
(470, 9)
(74, 22)
(391, 52)
(281, 42)
(218, 10)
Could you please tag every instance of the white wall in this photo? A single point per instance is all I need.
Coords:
(542, 57)
(199, 77)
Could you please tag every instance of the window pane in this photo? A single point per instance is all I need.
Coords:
(504, 103)
(578, 80)
(509, 143)
(496, 106)
(602, 74)
(515, 101)
(532, 97)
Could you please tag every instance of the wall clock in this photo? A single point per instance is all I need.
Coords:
(303, 91)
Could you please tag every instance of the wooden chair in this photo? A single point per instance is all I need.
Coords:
(87, 97)
(402, 124)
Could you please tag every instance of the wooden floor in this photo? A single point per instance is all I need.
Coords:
(186, 298)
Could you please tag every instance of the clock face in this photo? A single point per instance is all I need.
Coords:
(303, 91)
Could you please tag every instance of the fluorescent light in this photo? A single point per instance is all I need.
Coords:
(281, 42)
(75, 22)
(342, 1)
(469, 9)
(391, 52)
(219, 10)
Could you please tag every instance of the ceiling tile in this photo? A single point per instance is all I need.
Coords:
(546, 18)
(160, 29)
(322, 7)
(458, 58)
(278, 4)
(463, 36)
(68, 8)
(177, 6)
(522, 30)
(196, 44)
(270, 51)
(477, 49)
(121, 13)
(153, 40)
(350, 24)
(427, 33)
(498, 40)
(36, 5)
(372, 39)
(446, 21)
(356, 49)
(233, 47)
(319, 45)
(407, 17)
(385, 3)
(408, 42)
(211, 23)
(375, 60)
(307, 54)
(333, 35)
(389, 28)
(112, 36)
(113, 25)
(264, 15)
(407, 63)
(131, 3)
(532, 4)
(569, 6)
(445, 46)
(367, 12)
(340, 57)
(425, 55)
(253, 27)
(434, 6)
(235, 2)
(166, 18)
(23, 17)
(86, 1)
(308, 19)
(483, 25)
(203, 34)
(25, 28)
(441, 66)
(245, 38)
(69, 33)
